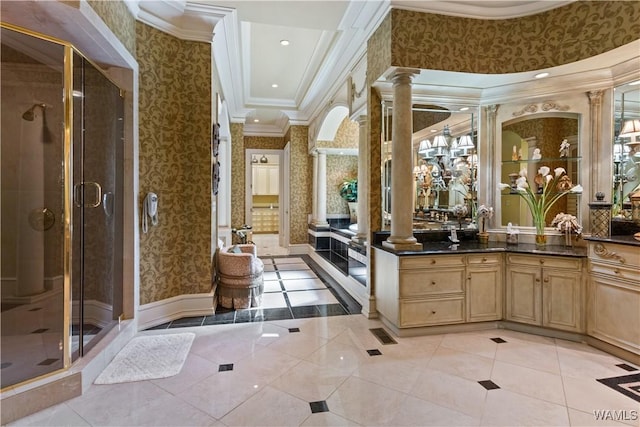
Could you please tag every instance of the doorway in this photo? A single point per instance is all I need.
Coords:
(264, 205)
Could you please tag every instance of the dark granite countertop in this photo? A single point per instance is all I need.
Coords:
(622, 240)
(465, 247)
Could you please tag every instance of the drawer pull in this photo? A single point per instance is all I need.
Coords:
(617, 271)
(433, 282)
(546, 280)
(600, 250)
(538, 279)
(484, 260)
(433, 261)
(433, 312)
(541, 261)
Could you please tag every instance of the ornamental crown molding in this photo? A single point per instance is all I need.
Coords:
(182, 19)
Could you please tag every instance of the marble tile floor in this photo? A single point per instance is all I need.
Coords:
(333, 371)
(295, 287)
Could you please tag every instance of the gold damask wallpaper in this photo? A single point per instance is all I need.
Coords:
(374, 153)
(379, 51)
(117, 17)
(175, 133)
(339, 169)
(560, 36)
(346, 136)
(264, 142)
(237, 174)
(300, 183)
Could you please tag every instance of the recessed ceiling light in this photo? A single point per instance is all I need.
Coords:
(541, 75)
(464, 108)
(284, 42)
(274, 85)
(637, 82)
(256, 120)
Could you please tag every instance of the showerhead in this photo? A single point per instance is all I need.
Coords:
(29, 115)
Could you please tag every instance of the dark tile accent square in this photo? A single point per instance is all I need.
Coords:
(626, 384)
(225, 367)
(305, 312)
(5, 365)
(277, 314)
(39, 331)
(627, 367)
(383, 336)
(186, 322)
(498, 340)
(331, 310)
(489, 385)
(292, 330)
(47, 362)
(374, 352)
(35, 309)
(320, 406)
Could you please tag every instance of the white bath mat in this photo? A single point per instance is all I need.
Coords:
(148, 357)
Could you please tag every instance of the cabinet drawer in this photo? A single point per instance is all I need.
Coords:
(615, 254)
(431, 261)
(615, 271)
(422, 312)
(431, 282)
(476, 260)
(546, 261)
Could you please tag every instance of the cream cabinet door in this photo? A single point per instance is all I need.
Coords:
(561, 296)
(484, 294)
(524, 294)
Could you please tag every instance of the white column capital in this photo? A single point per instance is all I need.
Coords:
(402, 75)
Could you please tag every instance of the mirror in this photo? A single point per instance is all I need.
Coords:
(445, 166)
(626, 148)
(529, 143)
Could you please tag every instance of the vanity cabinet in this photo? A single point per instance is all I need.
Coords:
(484, 287)
(545, 291)
(614, 294)
(429, 290)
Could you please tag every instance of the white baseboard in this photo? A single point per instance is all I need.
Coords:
(159, 312)
(96, 313)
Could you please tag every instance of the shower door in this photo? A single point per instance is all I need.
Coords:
(97, 206)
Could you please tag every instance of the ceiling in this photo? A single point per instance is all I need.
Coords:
(326, 39)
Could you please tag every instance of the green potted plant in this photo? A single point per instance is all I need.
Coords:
(349, 192)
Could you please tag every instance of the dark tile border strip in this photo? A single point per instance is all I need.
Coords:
(615, 383)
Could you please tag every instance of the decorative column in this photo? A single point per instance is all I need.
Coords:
(363, 184)
(401, 237)
(321, 181)
(314, 188)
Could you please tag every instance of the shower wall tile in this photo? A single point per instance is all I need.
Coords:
(175, 134)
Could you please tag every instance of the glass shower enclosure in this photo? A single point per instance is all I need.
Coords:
(61, 205)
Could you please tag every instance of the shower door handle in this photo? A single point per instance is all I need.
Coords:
(80, 190)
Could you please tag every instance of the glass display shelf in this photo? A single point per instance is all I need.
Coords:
(543, 160)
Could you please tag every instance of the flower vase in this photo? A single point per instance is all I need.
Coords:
(541, 238)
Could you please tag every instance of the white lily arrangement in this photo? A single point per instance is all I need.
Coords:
(554, 187)
(484, 214)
